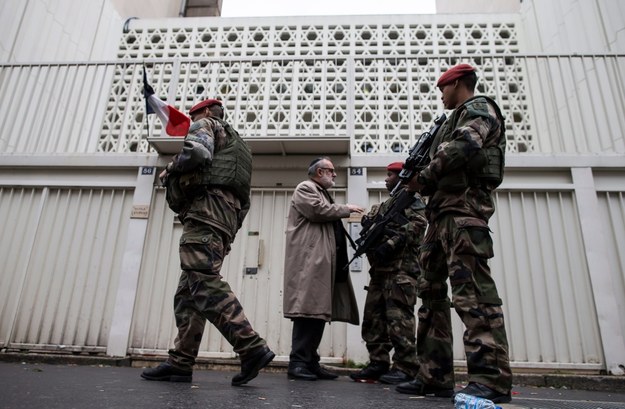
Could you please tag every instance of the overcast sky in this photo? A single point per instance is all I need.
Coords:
(253, 8)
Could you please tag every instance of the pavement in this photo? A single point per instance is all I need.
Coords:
(34, 385)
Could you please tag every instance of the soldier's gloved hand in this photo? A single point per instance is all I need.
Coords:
(366, 222)
(383, 251)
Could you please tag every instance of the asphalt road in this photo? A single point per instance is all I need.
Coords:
(44, 386)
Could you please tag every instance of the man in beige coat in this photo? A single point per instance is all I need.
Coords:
(317, 287)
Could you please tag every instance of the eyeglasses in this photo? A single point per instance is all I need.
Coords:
(330, 169)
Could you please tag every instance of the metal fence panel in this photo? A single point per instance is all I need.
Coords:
(53, 108)
(69, 289)
(543, 279)
(20, 211)
(613, 222)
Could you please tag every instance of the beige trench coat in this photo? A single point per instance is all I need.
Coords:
(310, 260)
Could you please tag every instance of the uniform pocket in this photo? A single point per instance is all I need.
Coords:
(405, 291)
(201, 251)
(473, 237)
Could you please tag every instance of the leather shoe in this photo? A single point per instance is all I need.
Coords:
(301, 373)
(251, 364)
(395, 377)
(483, 391)
(416, 387)
(323, 373)
(371, 372)
(167, 372)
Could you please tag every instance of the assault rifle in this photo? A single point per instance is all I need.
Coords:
(418, 158)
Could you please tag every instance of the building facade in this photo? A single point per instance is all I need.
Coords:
(90, 247)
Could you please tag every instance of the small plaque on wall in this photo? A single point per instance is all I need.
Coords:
(356, 172)
(140, 212)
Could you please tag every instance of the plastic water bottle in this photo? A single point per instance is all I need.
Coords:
(462, 401)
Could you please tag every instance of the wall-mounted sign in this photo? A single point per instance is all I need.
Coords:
(140, 212)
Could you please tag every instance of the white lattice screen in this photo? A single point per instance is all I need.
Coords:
(372, 80)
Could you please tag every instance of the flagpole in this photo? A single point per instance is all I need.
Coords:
(147, 123)
(175, 123)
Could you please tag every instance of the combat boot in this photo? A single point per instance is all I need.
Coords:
(483, 391)
(251, 364)
(395, 377)
(371, 372)
(416, 387)
(167, 372)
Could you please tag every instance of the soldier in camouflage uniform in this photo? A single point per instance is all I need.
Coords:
(389, 320)
(467, 161)
(208, 184)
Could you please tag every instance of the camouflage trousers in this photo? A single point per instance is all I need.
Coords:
(389, 320)
(458, 248)
(203, 295)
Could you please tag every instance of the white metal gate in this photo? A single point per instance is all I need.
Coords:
(254, 269)
(61, 253)
(542, 276)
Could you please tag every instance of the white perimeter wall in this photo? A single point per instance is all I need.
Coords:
(574, 26)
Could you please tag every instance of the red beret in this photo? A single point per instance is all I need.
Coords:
(204, 104)
(454, 73)
(395, 167)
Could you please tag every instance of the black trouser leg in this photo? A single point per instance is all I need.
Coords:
(305, 340)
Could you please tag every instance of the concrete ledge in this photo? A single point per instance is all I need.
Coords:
(602, 383)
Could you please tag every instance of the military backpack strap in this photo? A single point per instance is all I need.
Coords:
(485, 168)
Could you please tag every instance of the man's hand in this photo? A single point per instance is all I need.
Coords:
(355, 209)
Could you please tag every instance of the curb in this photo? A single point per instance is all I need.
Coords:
(603, 383)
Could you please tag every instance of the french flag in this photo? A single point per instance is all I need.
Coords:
(176, 123)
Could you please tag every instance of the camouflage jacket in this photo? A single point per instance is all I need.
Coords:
(472, 127)
(206, 137)
(402, 240)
